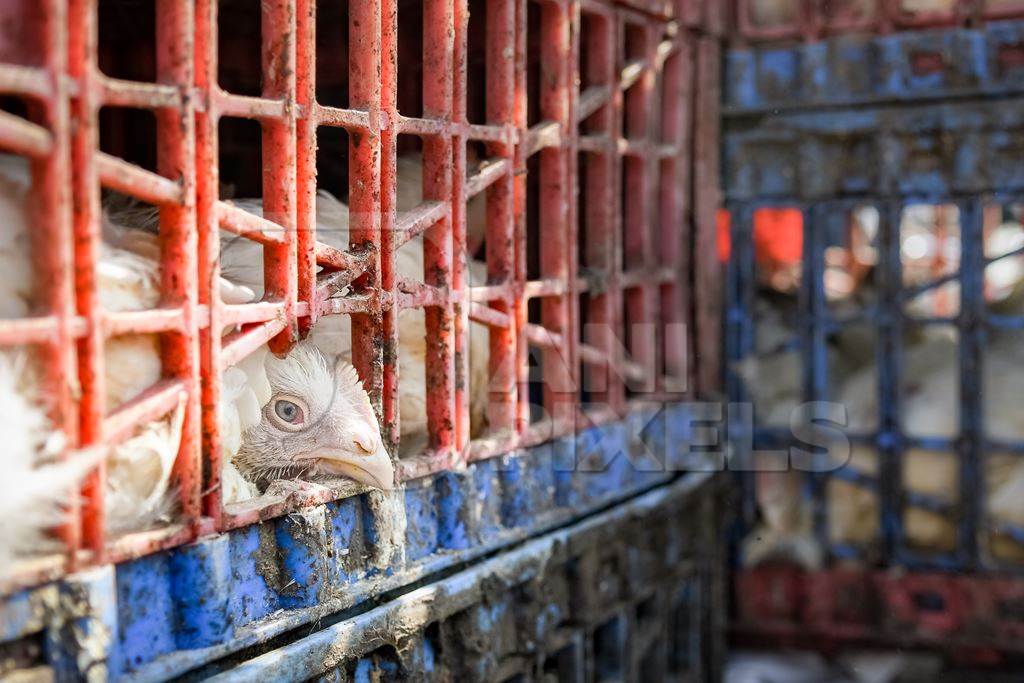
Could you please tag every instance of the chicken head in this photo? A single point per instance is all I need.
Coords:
(317, 423)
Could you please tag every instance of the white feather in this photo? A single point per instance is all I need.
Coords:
(139, 474)
(234, 487)
(245, 389)
(34, 491)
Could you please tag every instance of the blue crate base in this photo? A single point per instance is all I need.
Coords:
(632, 593)
(168, 613)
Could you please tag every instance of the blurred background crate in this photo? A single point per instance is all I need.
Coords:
(873, 232)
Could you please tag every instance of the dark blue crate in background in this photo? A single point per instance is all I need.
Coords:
(931, 117)
(853, 71)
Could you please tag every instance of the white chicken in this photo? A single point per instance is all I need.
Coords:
(242, 264)
(125, 282)
(929, 402)
(32, 481)
(773, 378)
(304, 416)
(930, 408)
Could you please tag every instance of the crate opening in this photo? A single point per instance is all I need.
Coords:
(240, 160)
(637, 101)
(846, 12)
(1003, 233)
(127, 38)
(563, 665)
(765, 14)
(129, 134)
(930, 382)
(851, 279)
(685, 634)
(595, 69)
(773, 373)
(924, 8)
(140, 487)
(1003, 428)
(241, 183)
(1001, 537)
(411, 70)
(239, 53)
(853, 506)
(930, 259)
(609, 650)
(332, 53)
(477, 160)
(332, 174)
(476, 62)
(932, 480)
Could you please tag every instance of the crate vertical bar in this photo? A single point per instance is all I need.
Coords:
(438, 63)
(207, 180)
(813, 341)
(86, 192)
(707, 268)
(616, 322)
(601, 380)
(889, 441)
(176, 159)
(740, 344)
(518, 121)
(388, 187)
(674, 225)
(637, 216)
(364, 181)
(278, 66)
(460, 257)
(501, 74)
(555, 245)
(305, 162)
(52, 241)
(570, 139)
(972, 343)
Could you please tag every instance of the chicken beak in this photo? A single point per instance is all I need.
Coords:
(372, 470)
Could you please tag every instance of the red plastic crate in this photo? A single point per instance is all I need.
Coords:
(51, 58)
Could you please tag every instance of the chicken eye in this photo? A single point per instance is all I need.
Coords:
(288, 414)
(288, 411)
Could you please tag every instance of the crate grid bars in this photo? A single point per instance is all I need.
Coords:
(273, 320)
(648, 156)
(650, 267)
(908, 594)
(814, 19)
(69, 242)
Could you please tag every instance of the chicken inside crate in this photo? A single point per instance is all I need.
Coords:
(777, 380)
